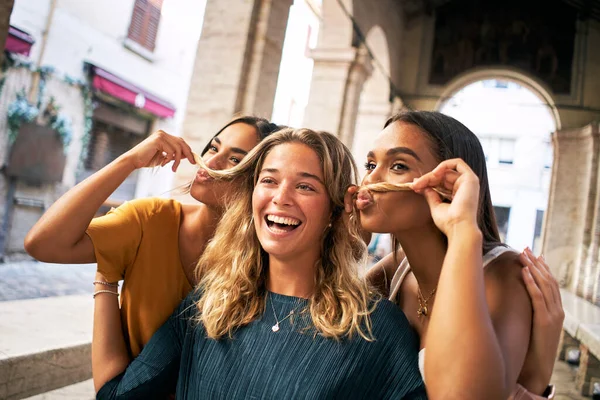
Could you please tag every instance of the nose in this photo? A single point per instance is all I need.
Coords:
(215, 162)
(373, 177)
(282, 196)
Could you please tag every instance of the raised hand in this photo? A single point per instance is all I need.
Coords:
(548, 317)
(456, 177)
(159, 149)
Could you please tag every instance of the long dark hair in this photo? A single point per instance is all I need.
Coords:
(263, 127)
(451, 139)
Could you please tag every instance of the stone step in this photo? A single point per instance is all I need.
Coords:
(79, 391)
(45, 345)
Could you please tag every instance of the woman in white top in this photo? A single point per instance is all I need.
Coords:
(478, 326)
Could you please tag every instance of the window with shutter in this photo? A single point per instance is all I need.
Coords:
(143, 28)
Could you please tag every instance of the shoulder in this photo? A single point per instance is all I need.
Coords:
(504, 269)
(380, 275)
(156, 209)
(504, 287)
(187, 311)
(390, 323)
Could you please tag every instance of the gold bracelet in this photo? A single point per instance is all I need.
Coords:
(104, 291)
(106, 283)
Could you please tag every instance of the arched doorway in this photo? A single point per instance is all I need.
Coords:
(514, 124)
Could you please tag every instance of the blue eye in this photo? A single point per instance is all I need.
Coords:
(235, 160)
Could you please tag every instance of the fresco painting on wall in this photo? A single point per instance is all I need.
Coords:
(535, 36)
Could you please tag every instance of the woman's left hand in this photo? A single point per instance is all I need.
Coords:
(548, 317)
(453, 176)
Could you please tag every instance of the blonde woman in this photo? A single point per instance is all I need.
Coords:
(280, 310)
(151, 244)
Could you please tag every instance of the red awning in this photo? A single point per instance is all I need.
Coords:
(119, 88)
(18, 41)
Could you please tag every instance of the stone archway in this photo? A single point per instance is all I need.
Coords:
(537, 87)
(514, 125)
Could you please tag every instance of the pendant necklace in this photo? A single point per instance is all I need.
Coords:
(275, 327)
(423, 311)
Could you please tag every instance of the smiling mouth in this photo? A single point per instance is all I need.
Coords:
(281, 224)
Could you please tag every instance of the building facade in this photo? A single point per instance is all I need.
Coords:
(102, 76)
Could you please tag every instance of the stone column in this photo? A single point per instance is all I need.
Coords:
(585, 262)
(571, 201)
(236, 67)
(360, 70)
(338, 79)
(374, 109)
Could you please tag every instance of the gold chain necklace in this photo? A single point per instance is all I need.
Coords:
(423, 311)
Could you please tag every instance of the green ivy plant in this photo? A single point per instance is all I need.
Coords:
(60, 122)
(19, 111)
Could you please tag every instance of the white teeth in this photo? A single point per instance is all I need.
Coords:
(283, 220)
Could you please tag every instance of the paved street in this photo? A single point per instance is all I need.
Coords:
(32, 279)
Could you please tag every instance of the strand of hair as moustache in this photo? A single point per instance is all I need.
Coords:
(211, 172)
(185, 188)
(384, 187)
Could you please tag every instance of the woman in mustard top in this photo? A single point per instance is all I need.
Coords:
(151, 244)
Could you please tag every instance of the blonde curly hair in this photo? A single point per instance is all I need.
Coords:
(232, 270)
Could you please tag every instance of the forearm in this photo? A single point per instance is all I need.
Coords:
(109, 351)
(63, 226)
(463, 353)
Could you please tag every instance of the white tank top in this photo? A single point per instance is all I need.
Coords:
(404, 269)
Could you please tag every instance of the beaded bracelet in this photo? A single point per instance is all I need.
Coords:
(106, 283)
(97, 292)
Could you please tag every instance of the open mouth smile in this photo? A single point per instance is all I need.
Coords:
(279, 224)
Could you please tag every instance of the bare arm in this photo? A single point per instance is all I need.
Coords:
(479, 328)
(109, 351)
(463, 353)
(59, 236)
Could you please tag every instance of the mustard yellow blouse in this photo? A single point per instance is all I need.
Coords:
(138, 243)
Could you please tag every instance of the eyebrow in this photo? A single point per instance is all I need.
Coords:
(302, 174)
(233, 149)
(398, 150)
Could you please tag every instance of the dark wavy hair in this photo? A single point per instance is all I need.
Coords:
(263, 127)
(451, 139)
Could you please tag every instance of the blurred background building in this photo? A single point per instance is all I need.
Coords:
(514, 128)
(105, 75)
